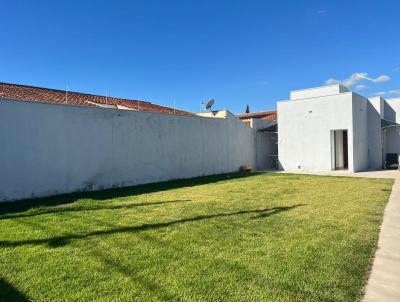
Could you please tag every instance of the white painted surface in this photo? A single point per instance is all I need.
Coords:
(214, 114)
(51, 149)
(375, 111)
(305, 132)
(266, 150)
(359, 133)
(258, 124)
(317, 92)
(305, 141)
(379, 104)
(391, 135)
(392, 110)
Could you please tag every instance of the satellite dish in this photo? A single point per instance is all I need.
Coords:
(210, 103)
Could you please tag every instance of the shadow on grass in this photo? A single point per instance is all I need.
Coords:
(10, 294)
(24, 205)
(159, 290)
(95, 207)
(64, 240)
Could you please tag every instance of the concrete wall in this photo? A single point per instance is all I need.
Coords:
(391, 135)
(360, 133)
(266, 150)
(266, 145)
(392, 140)
(317, 92)
(50, 149)
(375, 111)
(379, 105)
(392, 110)
(258, 124)
(305, 132)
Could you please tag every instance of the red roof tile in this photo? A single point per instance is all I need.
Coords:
(264, 115)
(46, 95)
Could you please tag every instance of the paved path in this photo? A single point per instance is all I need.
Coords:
(384, 280)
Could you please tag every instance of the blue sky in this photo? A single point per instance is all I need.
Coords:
(238, 52)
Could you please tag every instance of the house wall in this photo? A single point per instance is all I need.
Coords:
(266, 150)
(317, 92)
(360, 133)
(391, 135)
(392, 110)
(305, 127)
(379, 105)
(49, 149)
(392, 140)
(258, 124)
(375, 111)
(266, 146)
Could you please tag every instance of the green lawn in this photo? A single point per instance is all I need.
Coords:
(238, 237)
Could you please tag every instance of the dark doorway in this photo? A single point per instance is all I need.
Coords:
(340, 150)
(345, 150)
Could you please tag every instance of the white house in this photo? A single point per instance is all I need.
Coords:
(331, 128)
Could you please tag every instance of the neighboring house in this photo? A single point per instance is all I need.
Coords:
(248, 118)
(331, 128)
(46, 95)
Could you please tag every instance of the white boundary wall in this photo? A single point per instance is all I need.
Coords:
(49, 149)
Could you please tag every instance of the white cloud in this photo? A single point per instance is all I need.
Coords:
(357, 77)
(381, 79)
(350, 81)
(354, 79)
(321, 11)
(361, 86)
(331, 81)
(393, 92)
(380, 93)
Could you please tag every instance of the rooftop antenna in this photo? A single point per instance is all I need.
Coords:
(210, 103)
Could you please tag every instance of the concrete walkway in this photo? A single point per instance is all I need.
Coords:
(384, 280)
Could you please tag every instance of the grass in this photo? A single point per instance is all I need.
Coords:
(238, 237)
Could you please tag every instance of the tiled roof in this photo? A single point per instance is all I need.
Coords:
(46, 95)
(263, 115)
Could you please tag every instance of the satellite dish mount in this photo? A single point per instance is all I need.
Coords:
(210, 103)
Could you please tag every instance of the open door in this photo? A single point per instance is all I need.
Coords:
(340, 157)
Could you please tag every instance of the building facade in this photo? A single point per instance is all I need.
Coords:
(331, 128)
